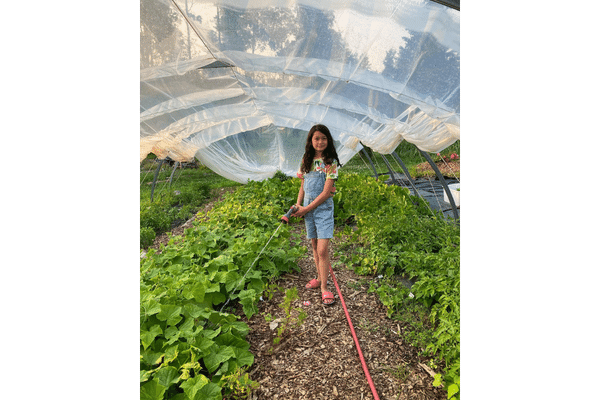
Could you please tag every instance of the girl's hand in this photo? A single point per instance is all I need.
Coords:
(300, 211)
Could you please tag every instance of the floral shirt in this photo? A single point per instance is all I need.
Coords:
(319, 165)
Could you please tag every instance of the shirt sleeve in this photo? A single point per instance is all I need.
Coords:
(332, 170)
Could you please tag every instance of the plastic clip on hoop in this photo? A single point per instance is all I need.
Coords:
(286, 218)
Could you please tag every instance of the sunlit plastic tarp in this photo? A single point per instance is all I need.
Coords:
(237, 84)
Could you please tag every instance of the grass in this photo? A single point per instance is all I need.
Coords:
(408, 153)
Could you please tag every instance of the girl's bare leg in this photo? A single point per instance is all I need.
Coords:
(314, 243)
(323, 262)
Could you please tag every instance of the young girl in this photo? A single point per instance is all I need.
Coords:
(318, 173)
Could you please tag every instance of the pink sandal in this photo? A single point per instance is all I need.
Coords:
(328, 296)
(313, 284)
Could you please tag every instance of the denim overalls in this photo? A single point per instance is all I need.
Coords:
(319, 222)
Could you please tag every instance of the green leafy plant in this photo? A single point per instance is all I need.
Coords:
(239, 385)
(281, 176)
(268, 317)
(271, 289)
(293, 317)
(400, 372)
(147, 236)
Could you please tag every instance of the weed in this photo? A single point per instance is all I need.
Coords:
(290, 320)
(270, 290)
(336, 265)
(357, 285)
(400, 372)
(268, 317)
(368, 326)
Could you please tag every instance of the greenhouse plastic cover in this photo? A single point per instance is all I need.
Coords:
(237, 84)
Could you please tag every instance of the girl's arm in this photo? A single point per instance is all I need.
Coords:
(325, 194)
(300, 195)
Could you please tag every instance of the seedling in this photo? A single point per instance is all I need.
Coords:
(289, 320)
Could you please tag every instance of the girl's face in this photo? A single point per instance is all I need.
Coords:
(319, 142)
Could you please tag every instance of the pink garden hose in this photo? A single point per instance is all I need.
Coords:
(360, 355)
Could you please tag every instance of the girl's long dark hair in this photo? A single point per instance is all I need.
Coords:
(329, 154)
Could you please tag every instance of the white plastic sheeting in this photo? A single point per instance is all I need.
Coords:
(238, 84)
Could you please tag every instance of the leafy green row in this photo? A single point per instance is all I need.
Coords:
(169, 206)
(399, 235)
(188, 348)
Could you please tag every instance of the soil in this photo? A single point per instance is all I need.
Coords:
(319, 359)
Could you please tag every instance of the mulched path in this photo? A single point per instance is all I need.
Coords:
(319, 359)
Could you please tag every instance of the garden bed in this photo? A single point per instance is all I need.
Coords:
(319, 359)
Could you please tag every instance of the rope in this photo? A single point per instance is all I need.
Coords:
(145, 176)
(376, 163)
(163, 185)
(360, 354)
(365, 162)
(417, 189)
(435, 194)
(178, 175)
(451, 170)
(402, 169)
